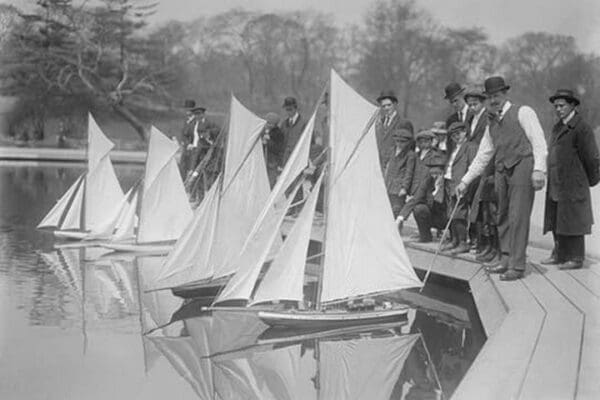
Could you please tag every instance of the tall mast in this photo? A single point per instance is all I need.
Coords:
(326, 184)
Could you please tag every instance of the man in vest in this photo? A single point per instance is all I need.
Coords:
(516, 138)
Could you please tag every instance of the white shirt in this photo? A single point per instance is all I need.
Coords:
(448, 174)
(476, 119)
(462, 114)
(533, 130)
(423, 153)
(196, 134)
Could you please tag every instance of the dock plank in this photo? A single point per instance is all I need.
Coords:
(588, 278)
(491, 308)
(498, 371)
(588, 385)
(560, 339)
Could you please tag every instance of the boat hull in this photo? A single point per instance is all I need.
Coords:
(330, 319)
(71, 235)
(141, 248)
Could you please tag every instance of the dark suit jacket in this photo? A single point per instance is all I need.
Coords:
(461, 162)
(291, 134)
(421, 170)
(573, 163)
(423, 195)
(207, 131)
(274, 147)
(399, 170)
(385, 137)
(477, 134)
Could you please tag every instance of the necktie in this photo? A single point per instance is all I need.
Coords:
(460, 116)
(386, 122)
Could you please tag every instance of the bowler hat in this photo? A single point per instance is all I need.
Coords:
(452, 90)
(387, 94)
(290, 102)
(457, 127)
(475, 91)
(424, 134)
(567, 94)
(494, 84)
(190, 105)
(439, 128)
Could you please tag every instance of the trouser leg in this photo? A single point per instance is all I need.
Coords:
(422, 215)
(520, 203)
(460, 230)
(501, 187)
(397, 202)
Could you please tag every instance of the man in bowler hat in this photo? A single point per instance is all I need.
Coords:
(453, 93)
(516, 138)
(198, 135)
(573, 166)
(389, 123)
(292, 126)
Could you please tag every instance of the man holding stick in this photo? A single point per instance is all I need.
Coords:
(516, 138)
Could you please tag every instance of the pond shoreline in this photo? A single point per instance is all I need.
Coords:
(65, 155)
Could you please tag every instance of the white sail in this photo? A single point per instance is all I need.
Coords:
(251, 260)
(188, 261)
(54, 216)
(363, 368)
(103, 193)
(363, 249)
(165, 210)
(263, 235)
(127, 219)
(72, 218)
(245, 188)
(284, 280)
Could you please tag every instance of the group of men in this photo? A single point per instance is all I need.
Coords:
(476, 173)
(479, 176)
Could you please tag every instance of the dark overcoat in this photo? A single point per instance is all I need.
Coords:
(573, 163)
(385, 136)
(291, 134)
(399, 170)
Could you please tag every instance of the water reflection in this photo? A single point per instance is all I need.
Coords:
(87, 311)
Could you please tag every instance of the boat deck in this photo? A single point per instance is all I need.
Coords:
(543, 330)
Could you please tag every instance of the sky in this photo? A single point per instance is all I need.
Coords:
(501, 19)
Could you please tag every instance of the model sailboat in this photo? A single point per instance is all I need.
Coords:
(363, 254)
(91, 205)
(161, 203)
(206, 251)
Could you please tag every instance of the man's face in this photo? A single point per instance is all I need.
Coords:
(401, 141)
(458, 103)
(563, 108)
(424, 143)
(475, 104)
(497, 100)
(387, 106)
(290, 111)
(458, 136)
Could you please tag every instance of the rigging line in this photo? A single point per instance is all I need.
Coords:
(437, 251)
(358, 143)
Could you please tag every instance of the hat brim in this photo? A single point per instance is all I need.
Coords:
(491, 92)
(454, 95)
(480, 96)
(565, 97)
(196, 109)
(425, 137)
(392, 98)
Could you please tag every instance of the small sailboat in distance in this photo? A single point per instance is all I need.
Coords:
(161, 203)
(91, 205)
(363, 254)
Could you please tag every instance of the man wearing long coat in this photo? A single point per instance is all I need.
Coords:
(573, 166)
(388, 125)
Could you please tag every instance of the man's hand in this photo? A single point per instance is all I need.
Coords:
(402, 192)
(538, 179)
(190, 146)
(461, 189)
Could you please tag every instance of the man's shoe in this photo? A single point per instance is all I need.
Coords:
(552, 260)
(512, 275)
(489, 257)
(460, 249)
(425, 239)
(571, 264)
(448, 246)
(483, 250)
(497, 266)
(485, 253)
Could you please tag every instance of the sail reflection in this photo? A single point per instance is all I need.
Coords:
(236, 356)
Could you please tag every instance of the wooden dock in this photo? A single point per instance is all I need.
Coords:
(543, 330)
(36, 154)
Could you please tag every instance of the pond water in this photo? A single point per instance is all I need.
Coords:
(76, 323)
